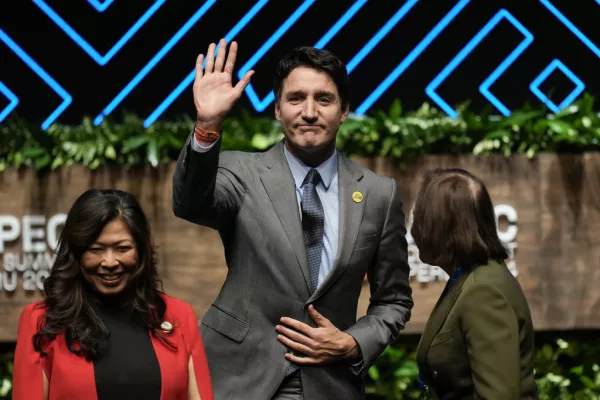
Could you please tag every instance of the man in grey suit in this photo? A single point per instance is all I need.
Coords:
(301, 226)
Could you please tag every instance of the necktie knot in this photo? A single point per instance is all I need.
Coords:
(313, 177)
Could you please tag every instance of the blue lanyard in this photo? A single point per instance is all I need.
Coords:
(453, 279)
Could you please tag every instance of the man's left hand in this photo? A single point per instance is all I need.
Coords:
(322, 345)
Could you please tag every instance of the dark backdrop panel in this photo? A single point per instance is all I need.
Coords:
(64, 59)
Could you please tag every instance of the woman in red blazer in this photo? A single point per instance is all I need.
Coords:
(105, 330)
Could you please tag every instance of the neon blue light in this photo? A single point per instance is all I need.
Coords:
(572, 27)
(190, 77)
(155, 60)
(579, 85)
(13, 101)
(100, 59)
(484, 88)
(474, 42)
(256, 102)
(340, 24)
(381, 33)
(410, 58)
(261, 105)
(42, 74)
(99, 6)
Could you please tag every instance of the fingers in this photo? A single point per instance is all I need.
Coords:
(297, 325)
(199, 61)
(298, 347)
(221, 52)
(241, 85)
(296, 337)
(304, 360)
(318, 318)
(210, 59)
(231, 57)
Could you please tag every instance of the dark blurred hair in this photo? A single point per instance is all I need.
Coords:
(454, 221)
(67, 301)
(320, 59)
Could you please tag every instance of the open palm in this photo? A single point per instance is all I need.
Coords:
(214, 93)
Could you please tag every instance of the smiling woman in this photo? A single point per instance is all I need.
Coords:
(103, 304)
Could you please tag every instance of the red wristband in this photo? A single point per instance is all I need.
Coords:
(204, 135)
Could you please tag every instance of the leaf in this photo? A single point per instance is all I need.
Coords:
(58, 161)
(152, 153)
(408, 370)
(33, 152)
(110, 152)
(42, 162)
(374, 373)
(395, 110)
(134, 143)
(260, 142)
(519, 118)
(560, 127)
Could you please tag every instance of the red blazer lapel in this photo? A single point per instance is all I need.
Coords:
(173, 362)
(69, 373)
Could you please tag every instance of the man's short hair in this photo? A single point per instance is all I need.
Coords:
(319, 59)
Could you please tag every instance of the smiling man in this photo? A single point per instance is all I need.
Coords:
(301, 225)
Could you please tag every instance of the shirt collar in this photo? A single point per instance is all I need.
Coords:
(299, 169)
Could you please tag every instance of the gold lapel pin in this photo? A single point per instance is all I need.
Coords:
(166, 327)
(357, 197)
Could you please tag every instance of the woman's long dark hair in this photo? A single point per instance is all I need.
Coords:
(67, 303)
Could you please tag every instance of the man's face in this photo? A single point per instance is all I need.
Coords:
(309, 110)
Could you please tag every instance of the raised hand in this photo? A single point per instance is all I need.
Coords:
(214, 94)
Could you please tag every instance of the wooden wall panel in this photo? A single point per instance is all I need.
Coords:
(556, 198)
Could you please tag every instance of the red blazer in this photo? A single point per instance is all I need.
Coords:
(71, 376)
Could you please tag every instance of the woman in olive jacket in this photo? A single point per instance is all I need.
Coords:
(479, 339)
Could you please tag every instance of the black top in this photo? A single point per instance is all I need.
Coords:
(127, 367)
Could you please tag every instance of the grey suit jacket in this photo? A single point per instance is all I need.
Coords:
(250, 199)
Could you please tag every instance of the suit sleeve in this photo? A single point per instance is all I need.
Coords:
(391, 296)
(208, 186)
(195, 346)
(492, 337)
(28, 367)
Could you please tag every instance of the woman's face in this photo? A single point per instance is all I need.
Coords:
(109, 262)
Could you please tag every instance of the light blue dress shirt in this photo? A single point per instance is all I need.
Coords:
(327, 190)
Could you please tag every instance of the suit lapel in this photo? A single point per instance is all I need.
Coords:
(351, 213)
(438, 317)
(280, 187)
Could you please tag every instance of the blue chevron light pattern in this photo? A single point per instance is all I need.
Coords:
(245, 20)
(261, 105)
(66, 97)
(484, 88)
(590, 45)
(355, 7)
(410, 58)
(190, 78)
(155, 60)
(474, 42)
(91, 51)
(99, 5)
(557, 64)
(256, 102)
(12, 98)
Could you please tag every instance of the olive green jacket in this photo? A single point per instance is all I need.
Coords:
(479, 339)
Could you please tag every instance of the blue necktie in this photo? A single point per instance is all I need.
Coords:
(313, 224)
(313, 228)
